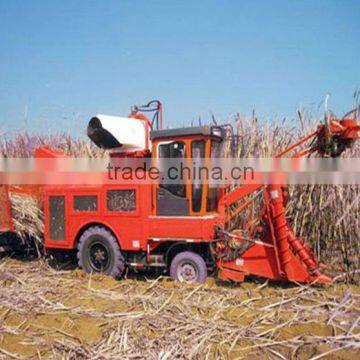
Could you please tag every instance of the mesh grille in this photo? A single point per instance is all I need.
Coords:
(121, 200)
(85, 203)
(57, 217)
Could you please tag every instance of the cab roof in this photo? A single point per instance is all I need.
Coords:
(187, 131)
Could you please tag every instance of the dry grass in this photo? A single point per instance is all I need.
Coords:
(23, 145)
(46, 313)
(28, 217)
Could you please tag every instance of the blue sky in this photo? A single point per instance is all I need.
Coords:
(63, 61)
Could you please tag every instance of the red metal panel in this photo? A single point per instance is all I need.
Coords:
(6, 223)
(261, 261)
(185, 227)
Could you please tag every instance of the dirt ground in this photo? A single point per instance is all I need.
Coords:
(48, 313)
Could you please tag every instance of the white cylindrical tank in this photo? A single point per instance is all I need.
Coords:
(120, 134)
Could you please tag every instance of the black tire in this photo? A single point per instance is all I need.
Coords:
(188, 266)
(99, 251)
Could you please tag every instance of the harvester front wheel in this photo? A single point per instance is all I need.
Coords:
(188, 266)
(99, 251)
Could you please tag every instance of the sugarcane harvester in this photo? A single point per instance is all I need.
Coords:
(183, 229)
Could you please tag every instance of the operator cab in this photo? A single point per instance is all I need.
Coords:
(193, 146)
(135, 136)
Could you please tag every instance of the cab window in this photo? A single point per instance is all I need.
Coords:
(213, 192)
(197, 154)
(173, 150)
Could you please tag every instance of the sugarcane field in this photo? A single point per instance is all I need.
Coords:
(179, 180)
(51, 309)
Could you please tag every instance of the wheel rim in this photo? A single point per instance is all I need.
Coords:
(99, 257)
(187, 272)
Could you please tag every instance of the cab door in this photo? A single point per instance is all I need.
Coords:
(171, 197)
(198, 183)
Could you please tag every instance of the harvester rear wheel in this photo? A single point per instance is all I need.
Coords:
(188, 266)
(99, 251)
